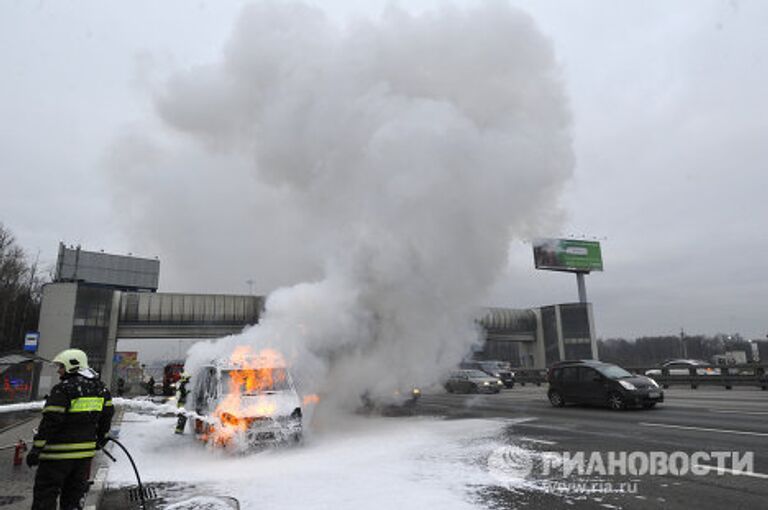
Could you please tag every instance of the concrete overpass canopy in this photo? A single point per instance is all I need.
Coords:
(538, 337)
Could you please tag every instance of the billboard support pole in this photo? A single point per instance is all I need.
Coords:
(582, 287)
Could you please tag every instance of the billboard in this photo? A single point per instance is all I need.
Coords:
(567, 255)
(126, 359)
(127, 272)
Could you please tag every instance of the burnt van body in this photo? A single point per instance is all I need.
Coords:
(248, 405)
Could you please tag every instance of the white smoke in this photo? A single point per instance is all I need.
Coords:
(400, 155)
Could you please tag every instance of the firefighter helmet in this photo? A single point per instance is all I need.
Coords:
(72, 359)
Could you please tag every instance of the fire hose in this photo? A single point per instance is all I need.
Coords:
(135, 470)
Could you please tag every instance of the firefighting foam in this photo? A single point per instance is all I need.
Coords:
(399, 154)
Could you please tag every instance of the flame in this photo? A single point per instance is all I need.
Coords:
(311, 399)
(249, 374)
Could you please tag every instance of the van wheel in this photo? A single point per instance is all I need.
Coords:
(616, 402)
(556, 399)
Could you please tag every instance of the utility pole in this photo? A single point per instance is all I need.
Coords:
(582, 287)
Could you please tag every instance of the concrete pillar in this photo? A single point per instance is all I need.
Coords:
(592, 336)
(57, 312)
(107, 369)
(540, 353)
(559, 328)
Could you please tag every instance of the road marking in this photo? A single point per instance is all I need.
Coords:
(538, 441)
(704, 429)
(723, 411)
(730, 471)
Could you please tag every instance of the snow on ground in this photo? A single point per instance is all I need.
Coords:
(367, 463)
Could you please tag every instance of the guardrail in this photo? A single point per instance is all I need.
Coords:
(710, 375)
(525, 376)
(707, 375)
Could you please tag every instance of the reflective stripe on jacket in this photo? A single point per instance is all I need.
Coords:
(76, 415)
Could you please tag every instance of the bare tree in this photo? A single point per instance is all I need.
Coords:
(20, 292)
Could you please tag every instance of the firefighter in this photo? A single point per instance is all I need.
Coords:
(181, 399)
(76, 419)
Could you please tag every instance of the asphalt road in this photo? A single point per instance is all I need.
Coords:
(704, 420)
(707, 420)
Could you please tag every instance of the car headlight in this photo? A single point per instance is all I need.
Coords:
(628, 385)
(486, 383)
(654, 383)
(496, 374)
(499, 382)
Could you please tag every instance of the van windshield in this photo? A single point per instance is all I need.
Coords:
(254, 381)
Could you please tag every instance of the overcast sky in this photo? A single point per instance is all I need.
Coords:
(670, 133)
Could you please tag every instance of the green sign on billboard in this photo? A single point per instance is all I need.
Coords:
(567, 255)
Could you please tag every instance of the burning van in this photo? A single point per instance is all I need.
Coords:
(250, 399)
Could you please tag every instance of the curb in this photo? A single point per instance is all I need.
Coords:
(93, 498)
(96, 491)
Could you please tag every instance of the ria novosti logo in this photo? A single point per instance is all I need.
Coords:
(515, 466)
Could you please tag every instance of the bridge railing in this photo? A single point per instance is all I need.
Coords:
(523, 376)
(727, 376)
(707, 375)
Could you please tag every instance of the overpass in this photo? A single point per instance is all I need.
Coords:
(165, 315)
(93, 317)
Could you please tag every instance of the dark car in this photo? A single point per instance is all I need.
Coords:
(497, 369)
(472, 381)
(598, 383)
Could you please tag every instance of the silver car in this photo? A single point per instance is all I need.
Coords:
(472, 381)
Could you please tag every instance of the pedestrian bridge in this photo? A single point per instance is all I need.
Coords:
(145, 315)
(93, 317)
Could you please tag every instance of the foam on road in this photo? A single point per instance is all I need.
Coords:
(361, 463)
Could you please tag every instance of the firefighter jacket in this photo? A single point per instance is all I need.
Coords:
(77, 414)
(181, 393)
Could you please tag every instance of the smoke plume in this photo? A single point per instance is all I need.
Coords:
(388, 162)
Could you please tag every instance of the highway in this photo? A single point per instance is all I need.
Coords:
(709, 420)
(689, 421)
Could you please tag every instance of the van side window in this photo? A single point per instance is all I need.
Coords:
(200, 392)
(212, 383)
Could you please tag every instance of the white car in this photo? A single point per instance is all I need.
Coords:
(683, 367)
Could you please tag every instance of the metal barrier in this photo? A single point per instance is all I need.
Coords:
(707, 375)
(710, 375)
(530, 376)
